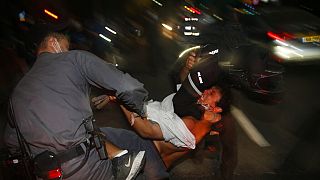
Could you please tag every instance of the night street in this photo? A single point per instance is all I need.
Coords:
(274, 141)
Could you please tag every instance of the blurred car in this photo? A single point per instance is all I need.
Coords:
(291, 33)
(249, 69)
(201, 22)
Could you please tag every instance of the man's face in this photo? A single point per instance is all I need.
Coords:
(210, 97)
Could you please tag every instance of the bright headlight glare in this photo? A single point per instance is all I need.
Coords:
(286, 52)
(188, 50)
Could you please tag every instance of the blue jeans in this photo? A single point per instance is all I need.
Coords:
(125, 139)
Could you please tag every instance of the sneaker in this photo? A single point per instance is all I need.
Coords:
(128, 166)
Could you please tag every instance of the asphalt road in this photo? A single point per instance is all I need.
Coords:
(291, 129)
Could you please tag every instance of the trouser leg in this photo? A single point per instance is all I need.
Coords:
(125, 139)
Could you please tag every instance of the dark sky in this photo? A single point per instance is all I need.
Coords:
(85, 8)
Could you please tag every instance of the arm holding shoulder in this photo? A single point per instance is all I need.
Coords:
(143, 126)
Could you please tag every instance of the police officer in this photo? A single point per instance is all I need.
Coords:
(51, 102)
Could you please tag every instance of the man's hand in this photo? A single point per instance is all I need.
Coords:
(101, 101)
(191, 60)
(212, 115)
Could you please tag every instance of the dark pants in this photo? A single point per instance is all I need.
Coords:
(228, 138)
(125, 139)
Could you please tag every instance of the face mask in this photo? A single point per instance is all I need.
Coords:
(56, 46)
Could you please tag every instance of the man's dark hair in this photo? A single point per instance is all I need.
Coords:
(226, 94)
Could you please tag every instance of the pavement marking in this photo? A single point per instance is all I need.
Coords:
(248, 127)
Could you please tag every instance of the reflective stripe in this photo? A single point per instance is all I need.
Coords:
(193, 85)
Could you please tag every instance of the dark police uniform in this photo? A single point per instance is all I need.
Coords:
(52, 100)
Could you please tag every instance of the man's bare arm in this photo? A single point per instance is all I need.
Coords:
(143, 126)
(198, 128)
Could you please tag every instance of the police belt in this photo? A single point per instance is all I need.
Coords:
(47, 161)
(74, 152)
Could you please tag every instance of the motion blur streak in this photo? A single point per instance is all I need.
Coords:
(286, 52)
(51, 14)
(167, 26)
(249, 128)
(274, 36)
(157, 2)
(191, 19)
(112, 31)
(188, 50)
(193, 10)
(104, 37)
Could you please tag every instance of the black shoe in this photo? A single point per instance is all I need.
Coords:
(128, 166)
